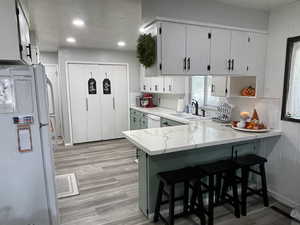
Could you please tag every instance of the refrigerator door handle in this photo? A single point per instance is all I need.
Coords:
(44, 125)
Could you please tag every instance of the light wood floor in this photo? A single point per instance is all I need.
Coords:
(107, 177)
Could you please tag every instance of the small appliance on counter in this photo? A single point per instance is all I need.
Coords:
(146, 101)
(180, 105)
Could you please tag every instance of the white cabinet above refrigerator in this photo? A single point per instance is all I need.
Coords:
(15, 41)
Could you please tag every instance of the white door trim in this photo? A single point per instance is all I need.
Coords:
(68, 89)
(59, 97)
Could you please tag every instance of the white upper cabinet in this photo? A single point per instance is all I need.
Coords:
(220, 51)
(173, 41)
(15, 40)
(239, 52)
(219, 86)
(256, 56)
(197, 50)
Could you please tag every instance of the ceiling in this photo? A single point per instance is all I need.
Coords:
(257, 4)
(107, 22)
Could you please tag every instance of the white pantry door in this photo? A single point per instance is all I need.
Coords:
(121, 99)
(79, 102)
(108, 121)
(94, 131)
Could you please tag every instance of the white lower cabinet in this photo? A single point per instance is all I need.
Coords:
(98, 115)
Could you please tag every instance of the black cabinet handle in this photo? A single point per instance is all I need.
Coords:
(229, 64)
(189, 63)
(184, 64)
(29, 51)
(166, 124)
(232, 64)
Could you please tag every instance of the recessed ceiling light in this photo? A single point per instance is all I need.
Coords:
(78, 22)
(121, 43)
(71, 40)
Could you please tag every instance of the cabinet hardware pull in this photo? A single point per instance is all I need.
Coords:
(189, 63)
(29, 51)
(212, 88)
(232, 64)
(170, 88)
(229, 64)
(184, 64)
(86, 104)
(144, 87)
(114, 106)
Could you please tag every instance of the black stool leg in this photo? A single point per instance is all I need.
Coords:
(186, 198)
(218, 188)
(245, 178)
(264, 184)
(171, 204)
(211, 200)
(236, 202)
(201, 205)
(158, 201)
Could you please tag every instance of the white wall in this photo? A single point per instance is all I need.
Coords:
(284, 160)
(49, 57)
(206, 11)
(92, 55)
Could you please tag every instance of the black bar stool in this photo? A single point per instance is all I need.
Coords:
(245, 163)
(167, 183)
(219, 171)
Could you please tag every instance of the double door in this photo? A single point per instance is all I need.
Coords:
(237, 53)
(185, 49)
(98, 114)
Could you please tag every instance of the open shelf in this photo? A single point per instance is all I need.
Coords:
(236, 84)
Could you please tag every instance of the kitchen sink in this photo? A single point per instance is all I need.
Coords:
(187, 116)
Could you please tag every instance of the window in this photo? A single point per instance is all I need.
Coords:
(291, 95)
(201, 91)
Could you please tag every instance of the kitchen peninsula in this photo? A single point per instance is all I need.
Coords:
(170, 148)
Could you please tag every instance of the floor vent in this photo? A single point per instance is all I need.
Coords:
(66, 185)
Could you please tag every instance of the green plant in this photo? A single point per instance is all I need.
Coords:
(146, 50)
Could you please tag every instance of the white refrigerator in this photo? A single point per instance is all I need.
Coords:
(27, 176)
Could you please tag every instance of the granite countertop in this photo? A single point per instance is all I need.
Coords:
(194, 135)
(169, 114)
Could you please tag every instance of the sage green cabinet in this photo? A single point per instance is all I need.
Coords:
(138, 120)
(150, 166)
(169, 123)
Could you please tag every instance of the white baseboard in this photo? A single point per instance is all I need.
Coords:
(68, 144)
(283, 199)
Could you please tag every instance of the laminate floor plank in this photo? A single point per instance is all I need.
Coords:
(107, 177)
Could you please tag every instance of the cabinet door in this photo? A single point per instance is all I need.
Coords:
(239, 52)
(120, 99)
(168, 85)
(174, 85)
(157, 84)
(219, 86)
(26, 52)
(78, 100)
(173, 39)
(197, 50)
(220, 51)
(256, 54)
(94, 104)
(108, 121)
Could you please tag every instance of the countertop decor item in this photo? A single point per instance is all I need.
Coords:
(223, 113)
(249, 91)
(146, 50)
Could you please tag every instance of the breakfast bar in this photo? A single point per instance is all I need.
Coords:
(171, 148)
